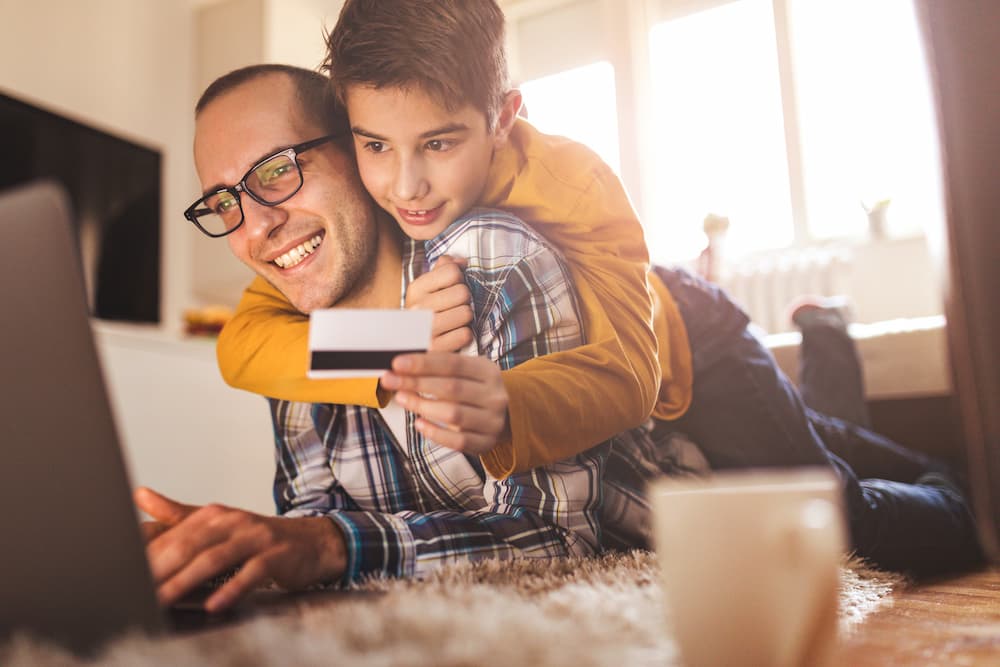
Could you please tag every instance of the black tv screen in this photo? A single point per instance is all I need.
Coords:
(114, 187)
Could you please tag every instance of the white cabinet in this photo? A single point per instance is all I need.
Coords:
(185, 432)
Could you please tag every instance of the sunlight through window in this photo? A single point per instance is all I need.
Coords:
(866, 116)
(718, 137)
(578, 104)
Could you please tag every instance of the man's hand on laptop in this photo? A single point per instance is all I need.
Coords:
(189, 545)
(460, 401)
(443, 291)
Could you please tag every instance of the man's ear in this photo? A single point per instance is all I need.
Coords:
(505, 119)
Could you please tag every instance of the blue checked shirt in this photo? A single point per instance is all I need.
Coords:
(407, 507)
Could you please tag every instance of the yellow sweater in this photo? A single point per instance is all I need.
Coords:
(560, 404)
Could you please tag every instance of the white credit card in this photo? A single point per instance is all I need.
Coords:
(348, 342)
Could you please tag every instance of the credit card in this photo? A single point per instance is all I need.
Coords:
(350, 342)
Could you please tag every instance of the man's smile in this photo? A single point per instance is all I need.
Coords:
(298, 253)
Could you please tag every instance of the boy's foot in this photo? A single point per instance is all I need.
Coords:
(953, 486)
(810, 311)
(951, 481)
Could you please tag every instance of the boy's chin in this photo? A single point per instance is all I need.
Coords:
(424, 232)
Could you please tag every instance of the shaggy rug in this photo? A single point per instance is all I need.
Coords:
(579, 612)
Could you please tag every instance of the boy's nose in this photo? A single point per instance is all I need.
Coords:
(410, 183)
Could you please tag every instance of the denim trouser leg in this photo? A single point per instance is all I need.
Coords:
(870, 454)
(830, 377)
(831, 386)
(746, 413)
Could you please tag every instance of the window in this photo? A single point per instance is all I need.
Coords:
(578, 104)
(717, 138)
(790, 117)
(868, 130)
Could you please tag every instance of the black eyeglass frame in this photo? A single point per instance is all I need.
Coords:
(193, 212)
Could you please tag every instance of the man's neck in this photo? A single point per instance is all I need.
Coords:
(384, 289)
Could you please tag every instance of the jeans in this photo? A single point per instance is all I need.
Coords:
(830, 379)
(745, 413)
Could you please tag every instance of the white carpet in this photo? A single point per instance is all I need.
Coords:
(606, 611)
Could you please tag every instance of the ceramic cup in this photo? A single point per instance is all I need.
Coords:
(751, 565)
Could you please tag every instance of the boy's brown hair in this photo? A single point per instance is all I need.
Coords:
(452, 50)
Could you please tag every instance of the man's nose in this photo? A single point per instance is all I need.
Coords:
(261, 220)
(411, 180)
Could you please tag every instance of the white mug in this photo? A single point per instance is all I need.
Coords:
(751, 565)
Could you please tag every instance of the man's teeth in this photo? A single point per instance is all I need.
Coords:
(298, 253)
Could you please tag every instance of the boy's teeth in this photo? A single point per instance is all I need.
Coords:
(298, 253)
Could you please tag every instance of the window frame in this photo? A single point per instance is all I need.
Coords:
(626, 26)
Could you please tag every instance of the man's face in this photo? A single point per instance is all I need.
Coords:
(422, 163)
(252, 121)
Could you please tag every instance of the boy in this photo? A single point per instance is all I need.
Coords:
(410, 53)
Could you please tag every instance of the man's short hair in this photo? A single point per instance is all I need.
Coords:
(318, 103)
(452, 50)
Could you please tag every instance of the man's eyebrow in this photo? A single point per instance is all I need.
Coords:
(222, 186)
(213, 189)
(444, 129)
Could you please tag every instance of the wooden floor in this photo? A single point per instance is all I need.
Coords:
(950, 622)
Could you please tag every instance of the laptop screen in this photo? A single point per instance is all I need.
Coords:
(73, 561)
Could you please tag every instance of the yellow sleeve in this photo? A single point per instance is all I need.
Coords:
(264, 349)
(674, 354)
(564, 403)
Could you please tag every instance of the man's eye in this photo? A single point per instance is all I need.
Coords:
(224, 205)
(375, 147)
(270, 173)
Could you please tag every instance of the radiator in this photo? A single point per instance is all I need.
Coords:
(764, 285)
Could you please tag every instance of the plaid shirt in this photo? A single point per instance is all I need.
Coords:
(405, 508)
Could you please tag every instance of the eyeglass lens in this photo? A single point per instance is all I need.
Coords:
(272, 182)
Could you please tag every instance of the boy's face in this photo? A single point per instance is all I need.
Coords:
(422, 163)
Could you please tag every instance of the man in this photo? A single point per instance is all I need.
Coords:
(355, 499)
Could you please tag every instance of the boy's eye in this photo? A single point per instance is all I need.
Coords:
(439, 144)
(375, 147)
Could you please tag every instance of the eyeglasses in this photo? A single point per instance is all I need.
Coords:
(273, 180)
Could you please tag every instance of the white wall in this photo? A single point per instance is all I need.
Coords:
(228, 35)
(295, 30)
(893, 279)
(186, 433)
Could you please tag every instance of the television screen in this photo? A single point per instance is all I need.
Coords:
(114, 187)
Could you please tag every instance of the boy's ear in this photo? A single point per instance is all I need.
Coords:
(509, 110)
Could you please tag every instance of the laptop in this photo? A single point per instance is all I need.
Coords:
(72, 559)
